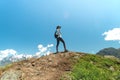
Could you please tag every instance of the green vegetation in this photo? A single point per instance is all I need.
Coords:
(94, 67)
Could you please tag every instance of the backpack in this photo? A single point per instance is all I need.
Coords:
(55, 35)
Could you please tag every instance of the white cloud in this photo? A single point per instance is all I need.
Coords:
(40, 46)
(50, 45)
(43, 50)
(6, 53)
(112, 35)
(17, 57)
(13, 55)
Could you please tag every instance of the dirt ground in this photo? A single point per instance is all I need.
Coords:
(51, 67)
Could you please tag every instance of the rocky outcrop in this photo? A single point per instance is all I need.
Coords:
(50, 67)
(11, 75)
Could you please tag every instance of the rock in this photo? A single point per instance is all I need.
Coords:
(11, 75)
(76, 57)
(49, 59)
(112, 68)
(109, 56)
(18, 68)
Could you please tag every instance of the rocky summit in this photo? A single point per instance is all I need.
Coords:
(51, 67)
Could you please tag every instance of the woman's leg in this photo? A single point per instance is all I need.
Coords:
(63, 43)
(57, 44)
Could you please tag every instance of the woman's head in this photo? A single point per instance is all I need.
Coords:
(58, 27)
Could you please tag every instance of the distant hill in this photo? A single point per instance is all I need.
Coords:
(63, 66)
(110, 51)
(11, 59)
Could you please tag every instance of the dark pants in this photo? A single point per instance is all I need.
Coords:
(58, 41)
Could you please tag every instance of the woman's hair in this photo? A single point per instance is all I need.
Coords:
(58, 27)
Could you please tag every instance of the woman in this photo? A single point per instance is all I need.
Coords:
(58, 37)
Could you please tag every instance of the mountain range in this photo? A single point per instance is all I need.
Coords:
(110, 51)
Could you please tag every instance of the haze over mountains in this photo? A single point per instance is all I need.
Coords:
(9, 55)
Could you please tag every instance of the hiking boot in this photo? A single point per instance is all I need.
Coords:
(66, 50)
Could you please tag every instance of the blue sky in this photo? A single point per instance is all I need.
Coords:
(24, 24)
